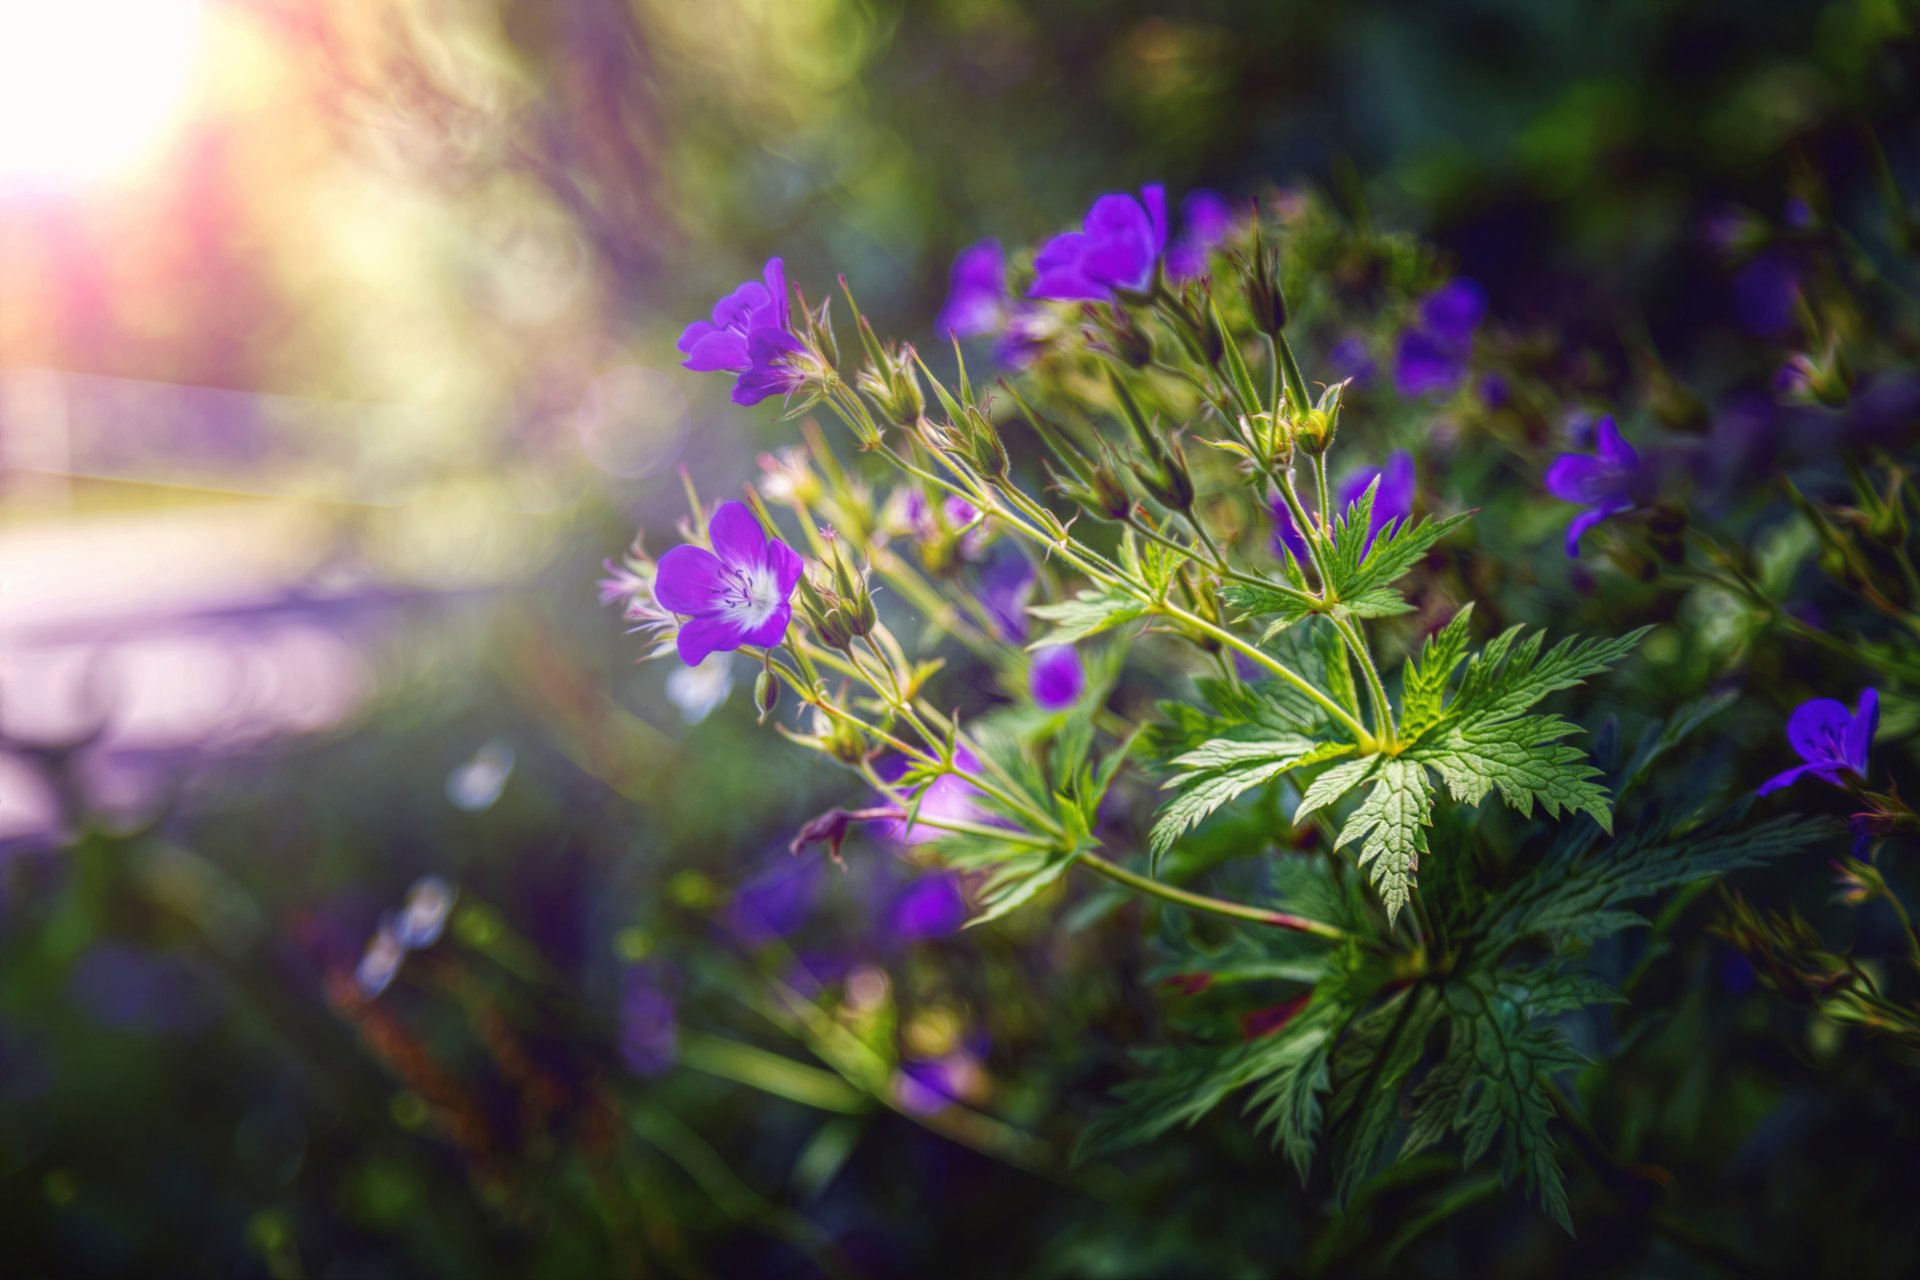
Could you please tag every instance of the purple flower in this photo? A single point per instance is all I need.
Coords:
(1393, 500)
(1603, 481)
(1830, 739)
(751, 335)
(776, 901)
(976, 293)
(738, 593)
(1432, 355)
(1348, 361)
(1056, 677)
(930, 907)
(649, 1023)
(948, 796)
(1206, 220)
(1117, 247)
(1006, 584)
(1765, 293)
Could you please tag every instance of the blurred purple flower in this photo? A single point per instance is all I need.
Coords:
(1764, 294)
(751, 335)
(1433, 354)
(1056, 677)
(1831, 740)
(775, 902)
(930, 907)
(1347, 360)
(948, 796)
(1392, 501)
(738, 593)
(976, 293)
(1116, 249)
(1603, 481)
(1005, 586)
(1206, 220)
(649, 1023)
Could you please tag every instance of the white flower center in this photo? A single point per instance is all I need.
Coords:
(751, 595)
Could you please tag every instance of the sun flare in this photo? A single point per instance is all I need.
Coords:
(89, 87)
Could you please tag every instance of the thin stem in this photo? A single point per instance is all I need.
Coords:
(1267, 660)
(1214, 906)
(1384, 726)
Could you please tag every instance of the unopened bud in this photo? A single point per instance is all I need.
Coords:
(1260, 281)
(766, 693)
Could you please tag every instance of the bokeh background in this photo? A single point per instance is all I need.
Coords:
(336, 353)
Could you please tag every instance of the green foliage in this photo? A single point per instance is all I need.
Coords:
(1389, 1052)
(1088, 614)
(1363, 580)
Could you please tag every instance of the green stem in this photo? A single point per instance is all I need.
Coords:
(1213, 906)
(1384, 726)
(769, 1072)
(1278, 668)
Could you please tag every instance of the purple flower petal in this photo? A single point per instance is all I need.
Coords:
(709, 634)
(736, 535)
(1583, 522)
(1613, 447)
(1056, 677)
(976, 293)
(1786, 779)
(1454, 311)
(1857, 744)
(689, 579)
(1576, 477)
(1818, 730)
(1423, 366)
(715, 351)
(930, 907)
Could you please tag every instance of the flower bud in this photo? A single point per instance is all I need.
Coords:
(1131, 343)
(1260, 281)
(894, 388)
(766, 693)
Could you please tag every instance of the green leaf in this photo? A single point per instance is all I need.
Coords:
(1369, 1067)
(1576, 892)
(1255, 601)
(1357, 574)
(1223, 769)
(1333, 784)
(1391, 824)
(1483, 739)
(1088, 614)
(1423, 683)
(1491, 1086)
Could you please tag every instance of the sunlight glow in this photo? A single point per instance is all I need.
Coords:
(89, 87)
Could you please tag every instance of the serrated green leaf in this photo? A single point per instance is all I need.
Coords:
(1223, 769)
(1391, 824)
(1423, 682)
(1088, 614)
(1333, 784)
(1257, 601)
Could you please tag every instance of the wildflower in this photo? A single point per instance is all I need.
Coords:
(1433, 354)
(976, 293)
(1830, 740)
(751, 334)
(1006, 584)
(1393, 500)
(631, 585)
(1602, 481)
(947, 797)
(698, 689)
(649, 1023)
(476, 785)
(775, 902)
(1056, 677)
(831, 828)
(738, 593)
(930, 907)
(1116, 249)
(1206, 220)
